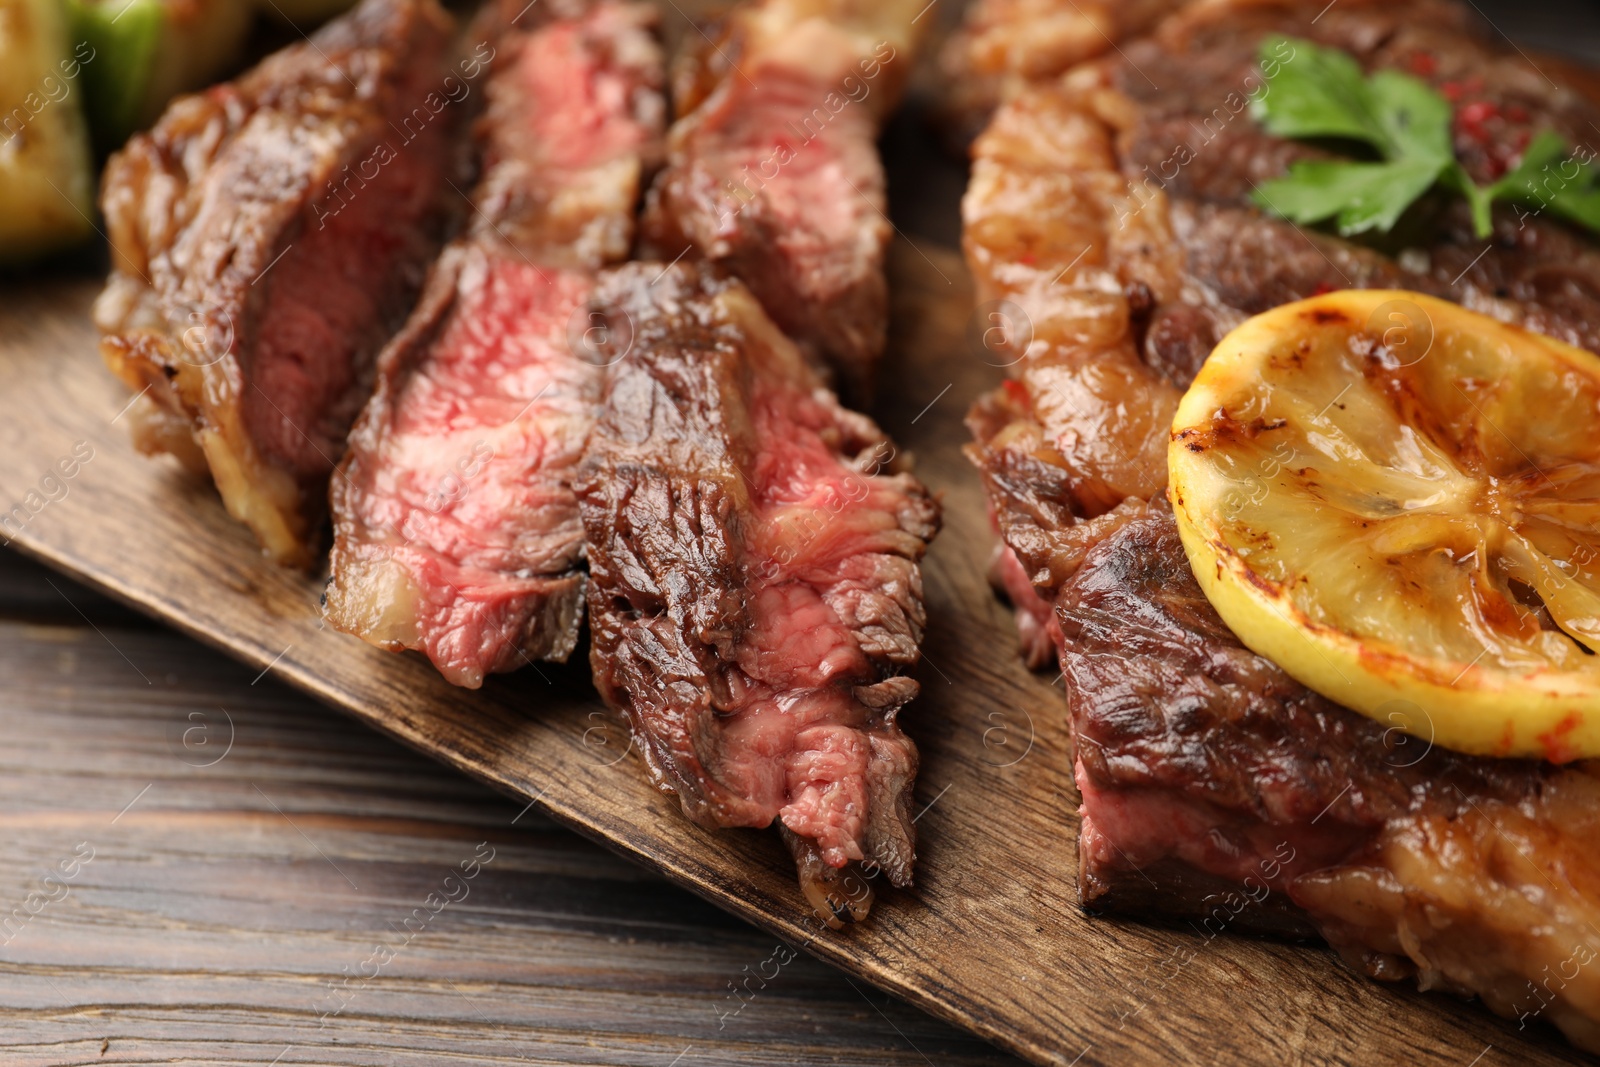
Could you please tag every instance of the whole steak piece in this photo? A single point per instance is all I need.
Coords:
(456, 531)
(755, 593)
(1111, 227)
(269, 235)
(773, 169)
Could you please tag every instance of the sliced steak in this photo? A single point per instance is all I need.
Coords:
(755, 596)
(269, 235)
(773, 170)
(456, 528)
(1252, 803)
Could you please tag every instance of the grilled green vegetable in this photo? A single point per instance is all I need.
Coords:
(150, 51)
(46, 184)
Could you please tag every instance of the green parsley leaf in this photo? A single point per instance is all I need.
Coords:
(1581, 206)
(1322, 93)
(1361, 196)
(1550, 177)
(1317, 92)
(1415, 119)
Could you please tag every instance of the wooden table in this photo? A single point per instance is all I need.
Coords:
(251, 849)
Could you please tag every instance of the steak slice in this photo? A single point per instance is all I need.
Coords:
(1252, 803)
(269, 235)
(456, 528)
(755, 593)
(773, 170)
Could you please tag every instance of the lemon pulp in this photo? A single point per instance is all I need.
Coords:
(1397, 500)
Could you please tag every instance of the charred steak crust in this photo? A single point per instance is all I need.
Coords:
(456, 528)
(268, 236)
(755, 595)
(1110, 222)
(1265, 807)
(1113, 222)
(1004, 45)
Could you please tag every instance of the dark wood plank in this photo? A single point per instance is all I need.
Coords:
(248, 849)
(990, 939)
(30, 592)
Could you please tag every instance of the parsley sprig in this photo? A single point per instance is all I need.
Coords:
(1323, 93)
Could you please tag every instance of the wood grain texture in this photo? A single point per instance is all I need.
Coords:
(216, 912)
(989, 939)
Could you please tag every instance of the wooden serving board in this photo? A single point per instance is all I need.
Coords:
(990, 939)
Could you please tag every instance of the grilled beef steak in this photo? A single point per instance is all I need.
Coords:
(1110, 224)
(1255, 804)
(269, 235)
(755, 595)
(773, 169)
(456, 529)
(1110, 228)
(1003, 45)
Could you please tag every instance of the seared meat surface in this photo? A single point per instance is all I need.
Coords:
(1263, 806)
(1110, 224)
(773, 172)
(755, 594)
(456, 528)
(269, 235)
(1004, 45)
(1114, 222)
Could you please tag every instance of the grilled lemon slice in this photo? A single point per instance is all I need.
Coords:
(1398, 502)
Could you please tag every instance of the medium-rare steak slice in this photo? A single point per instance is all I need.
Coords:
(456, 528)
(269, 235)
(1253, 803)
(1110, 226)
(773, 171)
(755, 596)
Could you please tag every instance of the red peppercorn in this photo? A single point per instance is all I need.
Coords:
(1424, 65)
